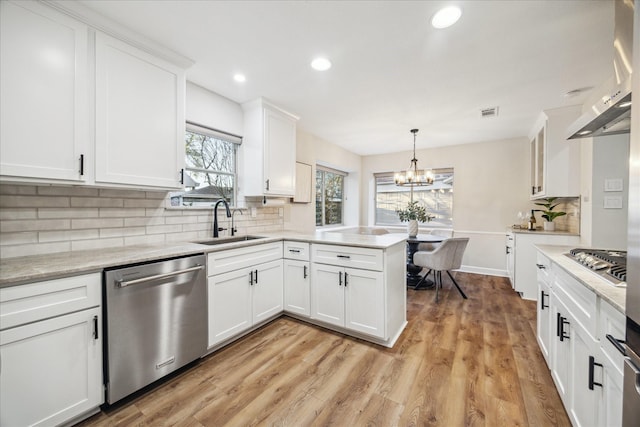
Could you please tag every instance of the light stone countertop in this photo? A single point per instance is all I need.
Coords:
(613, 295)
(20, 270)
(540, 231)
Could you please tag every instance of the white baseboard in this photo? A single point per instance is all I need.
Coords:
(482, 270)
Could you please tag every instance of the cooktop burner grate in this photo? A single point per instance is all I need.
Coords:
(619, 272)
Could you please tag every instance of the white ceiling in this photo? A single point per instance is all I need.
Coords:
(391, 70)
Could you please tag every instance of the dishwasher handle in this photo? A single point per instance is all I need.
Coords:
(123, 283)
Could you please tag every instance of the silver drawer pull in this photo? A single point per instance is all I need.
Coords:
(169, 361)
(123, 283)
(344, 256)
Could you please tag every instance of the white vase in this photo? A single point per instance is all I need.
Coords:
(549, 226)
(412, 228)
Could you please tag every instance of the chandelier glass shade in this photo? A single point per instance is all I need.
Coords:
(413, 176)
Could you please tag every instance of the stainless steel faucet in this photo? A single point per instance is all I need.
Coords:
(234, 230)
(215, 216)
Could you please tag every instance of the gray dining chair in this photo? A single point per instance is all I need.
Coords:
(446, 257)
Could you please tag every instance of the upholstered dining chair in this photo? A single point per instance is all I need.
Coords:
(446, 257)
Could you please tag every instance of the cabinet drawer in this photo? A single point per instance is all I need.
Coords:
(348, 256)
(234, 259)
(41, 300)
(612, 322)
(296, 250)
(580, 300)
(543, 267)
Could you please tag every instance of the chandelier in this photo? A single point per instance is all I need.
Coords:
(413, 176)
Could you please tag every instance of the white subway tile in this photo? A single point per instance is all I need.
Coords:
(121, 232)
(96, 223)
(181, 220)
(143, 203)
(135, 222)
(96, 202)
(18, 238)
(25, 213)
(125, 194)
(34, 225)
(45, 213)
(67, 191)
(200, 226)
(83, 245)
(181, 237)
(68, 235)
(144, 240)
(157, 195)
(162, 229)
(33, 202)
(34, 249)
(17, 189)
(121, 212)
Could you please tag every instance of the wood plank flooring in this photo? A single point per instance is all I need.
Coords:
(460, 362)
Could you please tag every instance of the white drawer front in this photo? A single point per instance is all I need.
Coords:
(612, 322)
(296, 250)
(543, 267)
(41, 300)
(348, 256)
(580, 300)
(234, 259)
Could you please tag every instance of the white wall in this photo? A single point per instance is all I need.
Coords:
(313, 150)
(610, 161)
(491, 186)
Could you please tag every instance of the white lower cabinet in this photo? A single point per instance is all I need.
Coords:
(248, 294)
(297, 287)
(586, 368)
(51, 368)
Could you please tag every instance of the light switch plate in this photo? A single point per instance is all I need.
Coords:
(613, 184)
(613, 202)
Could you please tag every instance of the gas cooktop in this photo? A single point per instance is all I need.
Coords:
(610, 264)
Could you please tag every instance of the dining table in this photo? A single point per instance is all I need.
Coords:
(413, 271)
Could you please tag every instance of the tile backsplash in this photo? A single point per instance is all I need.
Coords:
(47, 219)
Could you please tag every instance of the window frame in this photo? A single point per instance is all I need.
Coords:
(324, 170)
(236, 141)
(430, 224)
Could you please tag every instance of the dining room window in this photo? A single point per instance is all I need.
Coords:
(436, 198)
(329, 196)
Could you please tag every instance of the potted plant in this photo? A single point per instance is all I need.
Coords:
(548, 214)
(413, 214)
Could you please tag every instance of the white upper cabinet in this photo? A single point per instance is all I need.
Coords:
(43, 75)
(120, 126)
(554, 161)
(139, 116)
(268, 151)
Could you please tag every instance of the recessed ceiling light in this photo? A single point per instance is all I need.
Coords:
(240, 78)
(321, 64)
(446, 17)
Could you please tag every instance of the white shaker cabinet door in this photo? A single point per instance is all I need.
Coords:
(364, 302)
(279, 153)
(327, 293)
(51, 370)
(297, 283)
(140, 124)
(229, 304)
(267, 291)
(43, 81)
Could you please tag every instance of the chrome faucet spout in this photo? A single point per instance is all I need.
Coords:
(216, 230)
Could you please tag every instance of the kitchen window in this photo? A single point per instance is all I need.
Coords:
(210, 172)
(436, 198)
(329, 196)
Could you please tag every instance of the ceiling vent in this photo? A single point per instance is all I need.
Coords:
(489, 112)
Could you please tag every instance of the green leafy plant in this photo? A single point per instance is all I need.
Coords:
(414, 211)
(547, 212)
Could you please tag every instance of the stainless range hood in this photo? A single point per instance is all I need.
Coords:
(611, 114)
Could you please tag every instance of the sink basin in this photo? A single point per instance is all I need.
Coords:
(223, 240)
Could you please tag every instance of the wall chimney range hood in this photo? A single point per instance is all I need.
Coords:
(611, 114)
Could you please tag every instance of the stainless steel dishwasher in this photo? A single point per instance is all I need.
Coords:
(155, 321)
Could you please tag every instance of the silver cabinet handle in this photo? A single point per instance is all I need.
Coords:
(123, 283)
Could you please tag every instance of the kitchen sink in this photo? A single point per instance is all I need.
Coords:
(223, 240)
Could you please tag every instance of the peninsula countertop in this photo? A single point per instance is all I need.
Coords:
(15, 271)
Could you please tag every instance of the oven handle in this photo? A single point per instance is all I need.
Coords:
(123, 283)
(618, 344)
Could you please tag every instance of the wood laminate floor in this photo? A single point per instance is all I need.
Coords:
(460, 362)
